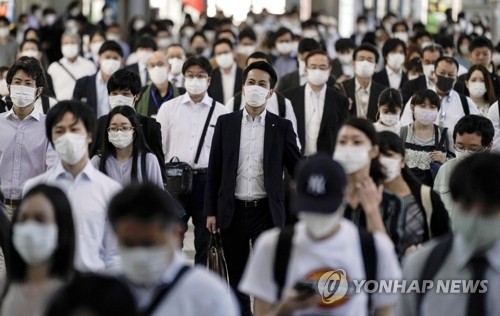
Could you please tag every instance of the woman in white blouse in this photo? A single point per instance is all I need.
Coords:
(480, 88)
(124, 156)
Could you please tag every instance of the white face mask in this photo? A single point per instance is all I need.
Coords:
(401, 35)
(71, 147)
(4, 31)
(70, 50)
(364, 69)
(158, 75)
(428, 69)
(392, 168)
(477, 89)
(30, 53)
(22, 96)
(479, 232)
(118, 100)
(352, 158)
(35, 242)
(425, 116)
(317, 77)
(175, 65)
(284, 48)
(321, 225)
(4, 91)
(94, 47)
(345, 59)
(254, 95)
(145, 266)
(164, 42)
(224, 60)
(109, 66)
(395, 60)
(121, 139)
(462, 154)
(142, 56)
(389, 119)
(195, 86)
(113, 37)
(246, 50)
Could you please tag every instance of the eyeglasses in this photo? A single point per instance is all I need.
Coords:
(471, 150)
(121, 129)
(324, 68)
(196, 76)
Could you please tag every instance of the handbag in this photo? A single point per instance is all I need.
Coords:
(180, 174)
(216, 261)
(435, 165)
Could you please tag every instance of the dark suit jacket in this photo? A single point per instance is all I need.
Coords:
(410, 87)
(383, 78)
(280, 149)
(335, 112)
(133, 67)
(337, 68)
(292, 80)
(215, 88)
(375, 90)
(86, 91)
(152, 133)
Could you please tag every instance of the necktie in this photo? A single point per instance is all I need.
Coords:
(476, 306)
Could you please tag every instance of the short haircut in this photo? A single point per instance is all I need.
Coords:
(444, 41)
(125, 79)
(392, 98)
(319, 52)
(144, 202)
(475, 124)
(225, 31)
(146, 42)
(395, 26)
(421, 34)
(469, 187)
(223, 41)
(446, 59)
(111, 46)
(199, 61)
(461, 38)
(37, 43)
(264, 66)
(415, 64)
(73, 35)
(32, 67)
(5, 20)
(426, 94)
(247, 32)
(196, 34)
(361, 18)
(366, 47)
(391, 44)
(307, 45)
(480, 42)
(260, 55)
(282, 31)
(344, 44)
(433, 48)
(80, 111)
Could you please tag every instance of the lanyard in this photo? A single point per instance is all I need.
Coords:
(169, 95)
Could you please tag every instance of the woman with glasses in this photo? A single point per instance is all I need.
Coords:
(124, 155)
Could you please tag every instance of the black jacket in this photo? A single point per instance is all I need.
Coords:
(375, 90)
(215, 89)
(383, 78)
(410, 87)
(86, 91)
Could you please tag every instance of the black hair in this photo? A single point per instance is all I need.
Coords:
(366, 47)
(138, 145)
(307, 45)
(111, 46)
(344, 44)
(264, 66)
(462, 37)
(481, 41)
(445, 41)
(319, 52)
(367, 128)
(195, 34)
(415, 64)
(247, 32)
(433, 48)
(225, 31)
(144, 202)
(446, 59)
(145, 42)
(81, 111)
(389, 141)
(395, 26)
(390, 45)
(30, 66)
(125, 79)
(5, 20)
(260, 55)
(3, 69)
(282, 31)
(490, 94)
(469, 187)
(426, 94)
(48, 11)
(475, 124)
(222, 41)
(95, 294)
(37, 43)
(392, 98)
(31, 29)
(422, 33)
(199, 61)
(361, 18)
(62, 260)
(97, 32)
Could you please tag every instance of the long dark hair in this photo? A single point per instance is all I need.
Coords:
(138, 145)
(490, 95)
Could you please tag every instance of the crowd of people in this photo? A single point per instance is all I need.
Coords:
(312, 156)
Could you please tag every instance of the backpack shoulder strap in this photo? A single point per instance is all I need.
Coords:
(66, 70)
(425, 196)
(369, 260)
(282, 257)
(281, 105)
(433, 263)
(45, 103)
(465, 104)
(237, 102)
(143, 167)
(403, 133)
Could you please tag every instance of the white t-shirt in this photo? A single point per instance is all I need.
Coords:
(310, 258)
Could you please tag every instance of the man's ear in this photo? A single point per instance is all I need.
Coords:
(38, 92)
(374, 152)
(270, 93)
(208, 81)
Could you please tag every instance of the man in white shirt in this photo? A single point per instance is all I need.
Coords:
(175, 56)
(69, 128)
(182, 122)
(70, 68)
(453, 105)
(322, 243)
(146, 225)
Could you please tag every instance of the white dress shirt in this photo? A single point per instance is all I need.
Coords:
(228, 80)
(103, 106)
(176, 80)
(62, 82)
(314, 106)
(143, 73)
(450, 112)
(182, 123)
(250, 176)
(494, 117)
(362, 98)
(89, 194)
(394, 77)
(302, 76)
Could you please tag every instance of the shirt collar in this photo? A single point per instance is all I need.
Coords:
(465, 254)
(232, 72)
(186, 99)
(392, 72)
(36, 113)
(311, 92)
(260, 118)
(360, 87)
(177, 263)
(88, 172)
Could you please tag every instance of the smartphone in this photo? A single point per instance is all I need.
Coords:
(305, 289)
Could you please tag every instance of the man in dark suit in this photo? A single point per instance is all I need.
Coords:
(361, 90)
(342, 65)
(226, 78)
(244, 191)
(393, 74)
(320, 110)
(92, 89)
(144, 47)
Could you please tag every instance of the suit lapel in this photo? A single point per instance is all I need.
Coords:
(372, 103)
(235, 134)
(328, 107)
(94, 92)
(269, 134)
(237, 81)
(300, 112)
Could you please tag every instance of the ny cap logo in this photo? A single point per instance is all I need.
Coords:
(316, 185)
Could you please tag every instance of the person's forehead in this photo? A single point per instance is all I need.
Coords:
(258, 74)
(222, 46)
(21, 74)
(195, 69)
(175, 50)
(69, 119)
(29, 45)
(318, 58)
(446, 65)
(365, 53)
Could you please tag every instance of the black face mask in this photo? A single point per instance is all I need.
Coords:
(444, 84)
(199, 50)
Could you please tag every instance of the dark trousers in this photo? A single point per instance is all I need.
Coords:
(248, 223)
(193, 205)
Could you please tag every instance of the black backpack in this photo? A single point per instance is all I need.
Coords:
(284, 249)
(281, 103)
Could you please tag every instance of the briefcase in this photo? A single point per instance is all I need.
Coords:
(215, 258)
(179, 177)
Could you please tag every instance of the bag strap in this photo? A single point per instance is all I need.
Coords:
(403, 133)
(282, 257)
(66, 69)
(237, 102)
(202, 139)
(45, 103)
(465, 104)
(432, 265)
(281, 104)
(369, 261)
(143, 167)
(164, 291)
(425, 194)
